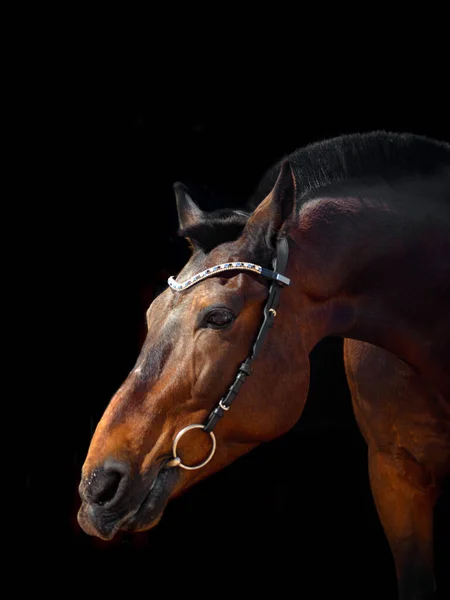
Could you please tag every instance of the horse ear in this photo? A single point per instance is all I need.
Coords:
(189, 213)
(269, 217)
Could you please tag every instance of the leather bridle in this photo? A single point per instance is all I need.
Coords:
(278, 281)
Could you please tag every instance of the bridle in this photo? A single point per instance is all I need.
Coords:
(278, 281)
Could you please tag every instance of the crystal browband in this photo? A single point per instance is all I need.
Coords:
(240, 266)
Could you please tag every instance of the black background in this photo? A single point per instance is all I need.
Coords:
(111, 127)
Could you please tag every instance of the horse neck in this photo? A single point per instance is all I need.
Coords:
(368, 264)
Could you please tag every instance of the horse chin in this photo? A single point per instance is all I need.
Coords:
(151, 509)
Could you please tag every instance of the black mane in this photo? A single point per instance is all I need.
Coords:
(376, 154)
(318, 165)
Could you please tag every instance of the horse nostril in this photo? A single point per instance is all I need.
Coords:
(108, 483)
(104, 487)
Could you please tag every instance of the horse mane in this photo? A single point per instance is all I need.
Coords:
(357, 156)
(318, 165)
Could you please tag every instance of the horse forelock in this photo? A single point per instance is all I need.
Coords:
(216, 228)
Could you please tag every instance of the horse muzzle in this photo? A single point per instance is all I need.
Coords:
(113, 500)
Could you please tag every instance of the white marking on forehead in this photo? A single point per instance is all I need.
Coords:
(139, 366)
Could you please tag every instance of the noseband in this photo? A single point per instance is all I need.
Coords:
(278, 281)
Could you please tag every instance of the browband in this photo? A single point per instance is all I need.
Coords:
(236, 266)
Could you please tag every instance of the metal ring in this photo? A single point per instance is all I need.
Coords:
(222, 406)
(273, 311)
(177, 439)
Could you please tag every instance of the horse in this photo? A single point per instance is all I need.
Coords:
(352, 240)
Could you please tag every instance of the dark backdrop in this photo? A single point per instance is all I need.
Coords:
(111, 131)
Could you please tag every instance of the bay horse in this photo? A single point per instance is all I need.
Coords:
(352, 240)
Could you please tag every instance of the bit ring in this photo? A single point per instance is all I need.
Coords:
(176, 460)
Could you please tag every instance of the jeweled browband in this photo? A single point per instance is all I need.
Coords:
(239, 265)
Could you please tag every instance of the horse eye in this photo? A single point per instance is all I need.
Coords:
(219, 319)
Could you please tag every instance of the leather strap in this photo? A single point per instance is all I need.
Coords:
(279, 266)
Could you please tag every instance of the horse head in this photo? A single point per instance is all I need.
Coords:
(155, 438)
